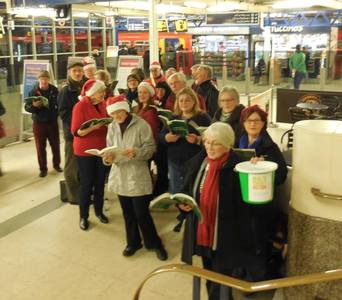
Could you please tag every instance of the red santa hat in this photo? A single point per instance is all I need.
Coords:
(148, 87)
(91, 86)
(155, 65)
(117, 103)
(88, 62)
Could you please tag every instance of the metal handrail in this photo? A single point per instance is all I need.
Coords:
(244, 286)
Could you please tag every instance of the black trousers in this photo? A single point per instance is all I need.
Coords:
(215, 290)
(160, 158)
(47, 131)
(92, 179)
(137, 216)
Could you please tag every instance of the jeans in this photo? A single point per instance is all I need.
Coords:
(298, 79)
(92, 180)
(177, 174)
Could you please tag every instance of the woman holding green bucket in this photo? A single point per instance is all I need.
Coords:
(254, 122)
(229, 240)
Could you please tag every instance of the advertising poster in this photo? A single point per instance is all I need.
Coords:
(125, 65)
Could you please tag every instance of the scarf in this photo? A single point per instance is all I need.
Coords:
(75, 85)
(243, 142)
(208, 202)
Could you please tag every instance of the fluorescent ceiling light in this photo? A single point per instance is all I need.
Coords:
(224, 6)
(166, 8)
(80, 14)
(195, 4)
(307, 3)
(34, 11)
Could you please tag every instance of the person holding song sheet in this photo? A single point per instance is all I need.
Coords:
(130, 176)
(91, 169)
(182, 151)
(229, 240)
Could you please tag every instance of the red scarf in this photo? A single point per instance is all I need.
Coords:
(208, 202)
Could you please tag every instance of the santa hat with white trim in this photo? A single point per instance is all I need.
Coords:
(117, 103)
(148, 87)
(90, 87)
(155, 65)
(88, 62)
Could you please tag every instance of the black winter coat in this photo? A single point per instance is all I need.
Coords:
(67, 98)
(233, 120)
(210, 94)
(242, 233)
(44, 114)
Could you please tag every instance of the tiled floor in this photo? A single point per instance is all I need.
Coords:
(44, 254)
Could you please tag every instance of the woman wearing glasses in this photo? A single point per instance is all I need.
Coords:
(228, 239)
(229, 109)
(254, 123)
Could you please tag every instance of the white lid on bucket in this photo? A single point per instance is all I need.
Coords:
(258, 168)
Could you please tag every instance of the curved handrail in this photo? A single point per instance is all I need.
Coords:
(242, 285)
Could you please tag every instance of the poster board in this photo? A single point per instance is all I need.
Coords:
(125, 65)
(112, 51)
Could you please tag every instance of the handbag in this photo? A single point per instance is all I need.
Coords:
(2, 130)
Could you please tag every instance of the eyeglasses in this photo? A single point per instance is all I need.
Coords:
(256, 121)
(211, 144)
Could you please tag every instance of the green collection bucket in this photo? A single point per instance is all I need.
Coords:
(257, 181)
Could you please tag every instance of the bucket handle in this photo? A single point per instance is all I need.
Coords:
(318, 193)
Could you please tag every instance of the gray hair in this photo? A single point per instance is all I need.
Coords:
(231, 91)
(207, 69)
(222, 133)
(179, 75)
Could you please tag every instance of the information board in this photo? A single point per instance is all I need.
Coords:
(251, 18)
(30, 74)
(125, 65)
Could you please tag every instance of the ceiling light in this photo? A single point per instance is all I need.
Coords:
(195, 4)
(307, 3)
(224, 6)
(34, 11)
(165, 8)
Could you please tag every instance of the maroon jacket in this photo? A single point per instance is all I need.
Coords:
(151, 117)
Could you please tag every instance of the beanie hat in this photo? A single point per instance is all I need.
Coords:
(222, 132)
(90, 87)
(74, 62)
(44, 73)
(155, 65)
(148, 87)
(117, 103)
(88, 62)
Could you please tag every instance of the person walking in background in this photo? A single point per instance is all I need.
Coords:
(45, 126)
(130, 176)
(297, 67)
(91, 169)
(229, 109)
(67, 98)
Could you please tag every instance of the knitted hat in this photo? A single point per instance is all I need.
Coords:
(88, 62)
(148, 87)
(91, 86)
(222, 132)
(155, 65)
(117, 103)
(44, 73)
(74, 62)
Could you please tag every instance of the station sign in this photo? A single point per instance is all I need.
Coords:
(162, 25)
(250, 18)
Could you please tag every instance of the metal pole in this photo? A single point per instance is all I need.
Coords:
(153, 31)
(54, 49)
(33, 39)
(104, 42)
(89, 36)
(196, 288)
(247, 82)
(73, 44)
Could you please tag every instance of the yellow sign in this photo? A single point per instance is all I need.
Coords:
(181, 25)
(162, 26)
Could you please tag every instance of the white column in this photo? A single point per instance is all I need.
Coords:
(153, 31)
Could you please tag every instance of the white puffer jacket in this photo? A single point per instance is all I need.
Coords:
(131, 177)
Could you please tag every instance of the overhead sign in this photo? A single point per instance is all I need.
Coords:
(286, 29)
(252, 18)
(162, 25)
(181, 25)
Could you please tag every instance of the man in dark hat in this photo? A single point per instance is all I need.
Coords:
(67, 98)
(45, 126)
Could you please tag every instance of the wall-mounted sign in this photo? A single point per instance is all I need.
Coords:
(181, 25)
(286, 29)
(234, 18)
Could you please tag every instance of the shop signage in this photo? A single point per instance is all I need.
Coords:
(218, 30)
(286, 29)
(234, 18)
